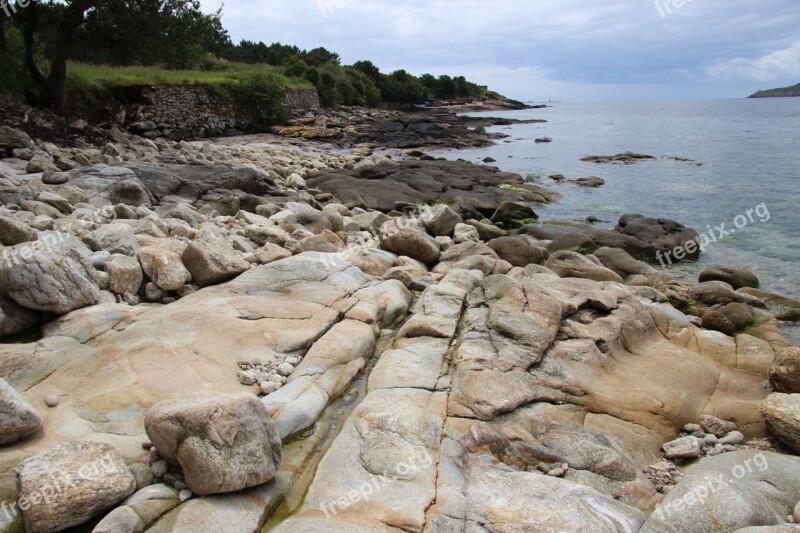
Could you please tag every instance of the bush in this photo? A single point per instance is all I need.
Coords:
(262, 96)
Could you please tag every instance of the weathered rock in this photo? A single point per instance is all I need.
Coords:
(70, 483)
(716, 321)
(574, 265)
(519, 250)
(116, 238)
(54, 274)
(683, 448)
(780, 307)
(716, 426)
(223, 443)
(410, 242)
(731, 491)
(440, 220)
(785, 373)
(13, 231)
(782, 412)
(11, 138)
(125, 274)
(736, 277)
(212, 260)
(164, 267)
(510, 213)
(18, 419)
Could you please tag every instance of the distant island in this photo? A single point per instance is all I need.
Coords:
(774, 93)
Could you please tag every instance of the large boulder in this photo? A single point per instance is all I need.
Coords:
(125, 274)
(519, 250)
(13, 231)
(782, 413)
(785, 373)
(11, 138)
(735, 277)
(510, 213)
(18, 418)
(574, 265)
(440, 220)
(224, 443)
(116, 238)
(53, 274)
(70, 483)
(781, 307)
(410, 242)
(164, 267)
(212, 260)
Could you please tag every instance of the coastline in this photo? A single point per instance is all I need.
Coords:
(361, 315)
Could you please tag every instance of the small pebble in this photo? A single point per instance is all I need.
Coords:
(147, 445)
(51, 400)
(797, 513)
(559, 471)
(692, 428)
(711, 440)
(180, 485)
(185, 495)
(294, 360)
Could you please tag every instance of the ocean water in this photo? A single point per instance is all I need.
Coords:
(745, 156)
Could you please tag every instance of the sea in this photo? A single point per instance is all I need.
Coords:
(728, 168)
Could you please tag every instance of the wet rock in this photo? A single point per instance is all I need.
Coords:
(782, 412)
(510, 213)
(18, 419)
(223, 443)
(780, 307)
(736, 277)
(92, 478)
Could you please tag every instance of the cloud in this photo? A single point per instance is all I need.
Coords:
(548, 46)
(773, 66)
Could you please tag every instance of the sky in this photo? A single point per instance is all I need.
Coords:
(559, 50)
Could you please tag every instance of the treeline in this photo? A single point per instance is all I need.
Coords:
(38, 40)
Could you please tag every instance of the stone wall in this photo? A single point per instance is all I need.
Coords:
(182, 111)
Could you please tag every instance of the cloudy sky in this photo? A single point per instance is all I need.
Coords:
(550, 49)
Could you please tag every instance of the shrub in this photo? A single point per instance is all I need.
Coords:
(262, 96)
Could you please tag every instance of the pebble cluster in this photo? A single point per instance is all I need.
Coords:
(269, 376)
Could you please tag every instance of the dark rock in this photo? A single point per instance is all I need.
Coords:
(735, 277)
(510, 212)
(519, 250)
(716, 321)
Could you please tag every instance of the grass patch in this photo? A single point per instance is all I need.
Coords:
(558, 222)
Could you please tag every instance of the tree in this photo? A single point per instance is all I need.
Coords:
(71, 16)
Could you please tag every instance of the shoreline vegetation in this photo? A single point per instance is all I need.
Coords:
(782, 92)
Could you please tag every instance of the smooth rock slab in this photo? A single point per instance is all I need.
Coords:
(18, 418)
(70, 483)
(224, 443)
(730, 491)
(684, 448)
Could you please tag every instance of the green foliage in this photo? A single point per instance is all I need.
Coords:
(263, 96)
(12, 81)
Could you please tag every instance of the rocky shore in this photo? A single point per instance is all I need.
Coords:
(260, 334)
